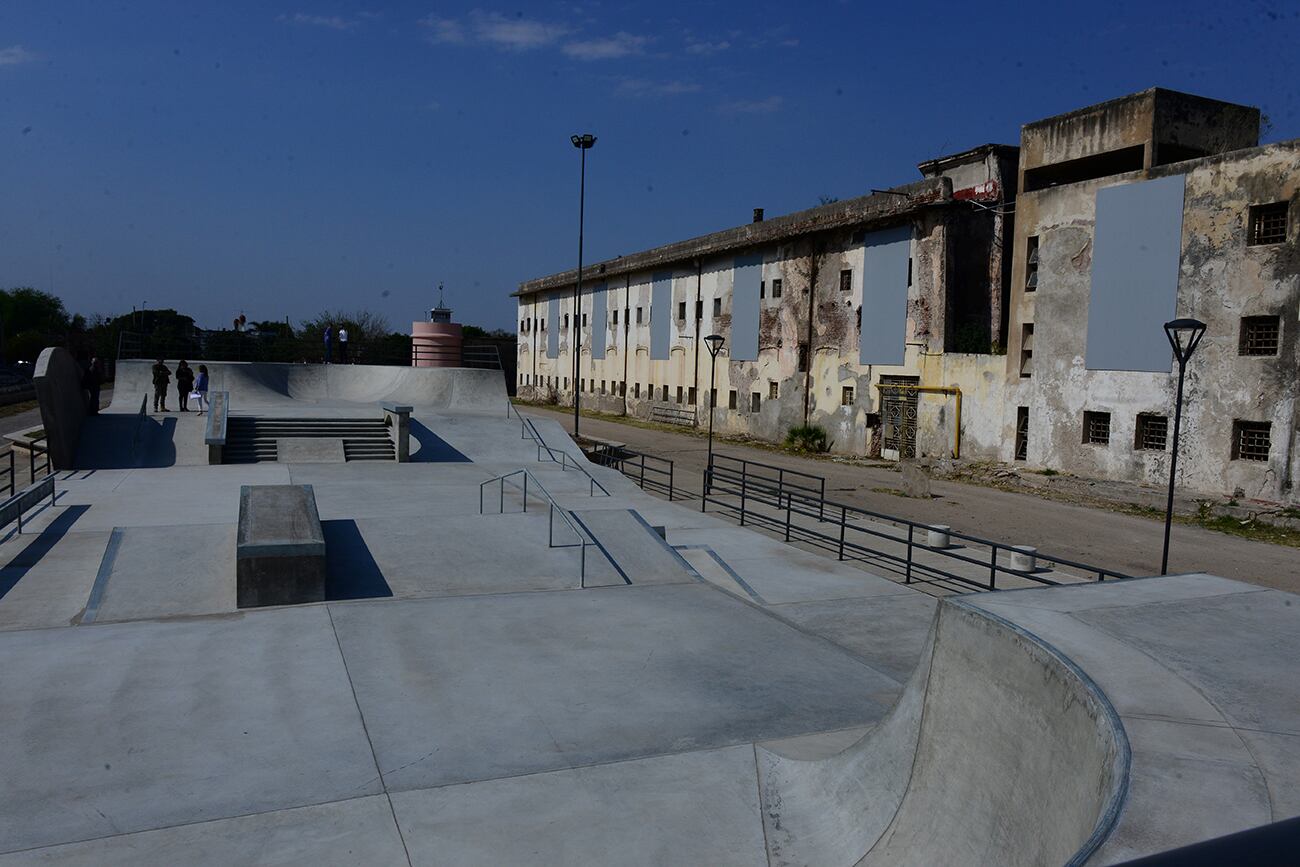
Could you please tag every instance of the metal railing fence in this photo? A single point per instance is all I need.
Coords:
(650, 472)
(880, 538)
(553, 506)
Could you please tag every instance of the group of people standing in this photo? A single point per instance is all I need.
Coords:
(187, 386)
(343, 344)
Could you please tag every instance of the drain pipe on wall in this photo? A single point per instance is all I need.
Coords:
(627, 334)
(699, 313)
(814, 262)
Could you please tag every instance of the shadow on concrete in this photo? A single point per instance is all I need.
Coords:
(433, 448)
(42, 543)
(126, 441)
(350, 570)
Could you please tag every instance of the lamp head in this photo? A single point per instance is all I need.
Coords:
(584, 141)
(1184, 336)
(714, 343)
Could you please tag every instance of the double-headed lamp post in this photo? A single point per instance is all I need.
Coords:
(1184, 336)
(583, 143)
(714, 343)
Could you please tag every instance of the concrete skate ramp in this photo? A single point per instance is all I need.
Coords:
(999, 751)
(260, 384)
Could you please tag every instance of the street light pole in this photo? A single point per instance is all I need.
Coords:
(583, 143)
(1184, 336)
(714, 343)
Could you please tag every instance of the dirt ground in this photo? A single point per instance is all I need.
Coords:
(1128, 543)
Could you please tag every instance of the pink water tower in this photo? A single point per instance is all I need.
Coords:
(436, 343)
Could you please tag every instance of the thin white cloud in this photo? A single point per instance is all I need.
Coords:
(753, 106)
(621, 44)
(330, 22)
(514, 34)
(14, 55)
(707, 48)
(646, 87)
(443, 30)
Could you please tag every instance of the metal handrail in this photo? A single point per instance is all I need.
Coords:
(12, 476)
(32, 451)
(632, 464)
(565, 460)
(795, 501)
(582, 542)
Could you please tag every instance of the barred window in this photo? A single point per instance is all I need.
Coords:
(1250, 440)
(846, 280)
(846, 396)
(776, 288)
(1268, 224)
(1152, 432)
(1096, 428)
(1259, 335)
(772, 391)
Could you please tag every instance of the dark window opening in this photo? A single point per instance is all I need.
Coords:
(1259, 335)
(679, 394)
(615, 317)
(731, 400)
(1152, 433)
(1168, 152)
(636, 390)
(681, 309)
(566, 321)
(1031, 265)
(650, 391)
(665, 394)
(1027, 349)
(755, 401)
(909, 270)
(699, 309)
(762, 288)
(846, 396)
(1251, 440)
(1096, 428)
(1022, 433)
(584, 320)
(803, 357)
(713, 398)
(773, 390)
(846, 280)
(638, 316)
(622, 389)
(1268, 224)
(690, 396)
(1085, 168)
(717, 306)
(776, 287)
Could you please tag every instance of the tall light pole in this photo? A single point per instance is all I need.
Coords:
(714, 343)
(583, 143)
(1184, 336)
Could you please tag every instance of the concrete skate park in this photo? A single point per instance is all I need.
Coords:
(512, 655)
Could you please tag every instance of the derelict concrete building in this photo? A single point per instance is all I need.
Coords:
(1007, 306)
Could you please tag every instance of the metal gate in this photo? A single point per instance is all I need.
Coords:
(898, 402)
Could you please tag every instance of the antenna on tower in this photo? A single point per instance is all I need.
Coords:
(440, 304)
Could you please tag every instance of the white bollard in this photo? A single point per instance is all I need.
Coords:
(1024, 558)
(938, 537)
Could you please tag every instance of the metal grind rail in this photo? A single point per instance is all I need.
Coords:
(583, 540)
(636, 465)
(762, 485)
(565, 460)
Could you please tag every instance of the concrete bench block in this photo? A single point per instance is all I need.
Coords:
(280, 548)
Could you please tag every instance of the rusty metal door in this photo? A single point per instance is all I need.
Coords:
(898, 406)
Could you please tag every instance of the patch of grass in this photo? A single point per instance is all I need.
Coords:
(891, 491)
(807, 438)
(35, 434)
(16, 408)
(1046, 471)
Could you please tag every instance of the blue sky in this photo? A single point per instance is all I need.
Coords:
(278, 158)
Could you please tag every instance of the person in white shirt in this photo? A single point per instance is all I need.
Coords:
(343, 345)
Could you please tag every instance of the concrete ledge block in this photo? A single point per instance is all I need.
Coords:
(280, 547)
(310, 450)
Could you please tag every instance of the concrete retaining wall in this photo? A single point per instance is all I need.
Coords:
(57, 380)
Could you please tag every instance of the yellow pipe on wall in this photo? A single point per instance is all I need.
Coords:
(933, 389)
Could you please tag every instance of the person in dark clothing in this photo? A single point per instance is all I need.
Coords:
(201, 388)
(184, 384)
(162, 377)
(91, 382)
(329, 355)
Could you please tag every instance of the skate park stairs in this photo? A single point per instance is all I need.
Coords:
(252, 439)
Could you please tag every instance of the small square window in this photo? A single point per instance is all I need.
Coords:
(1096, 428)
(1152, 433)
(731, 400)
(1268, 224)
(755, 401)
(846, 280)
(717, 307)
(1251, 440)
(846, 396)
(776, 287)
(1259, 335)
(681, 309)
(773, 391)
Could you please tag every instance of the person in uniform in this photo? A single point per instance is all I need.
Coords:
(162, 377)
(184, 384)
